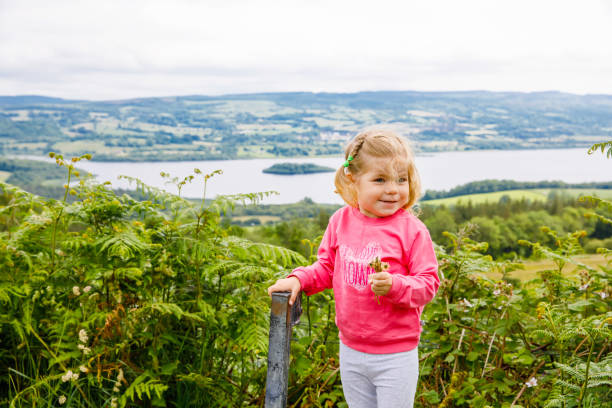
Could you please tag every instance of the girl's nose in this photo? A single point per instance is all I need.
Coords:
(391, 187)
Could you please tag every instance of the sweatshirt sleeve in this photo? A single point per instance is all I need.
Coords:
(319, 276)
(421, 284)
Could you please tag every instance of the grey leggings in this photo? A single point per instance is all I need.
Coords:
(379, 380)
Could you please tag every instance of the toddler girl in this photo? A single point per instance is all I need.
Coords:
(377, 313)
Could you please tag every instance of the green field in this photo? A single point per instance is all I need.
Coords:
(263, 219)
(4, 175)
(533, 267)
(534, 195)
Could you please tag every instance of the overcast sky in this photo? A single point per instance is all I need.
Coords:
(108, 49)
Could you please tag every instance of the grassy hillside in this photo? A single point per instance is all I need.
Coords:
(533, 195)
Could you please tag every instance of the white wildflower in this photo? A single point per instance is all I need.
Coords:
(113, 403)
(67, 377)
(83, 336)
(83, 369)
(496, 292)
(76, 291)
(120, 375)
(533, 382)
(116, 388)
(603, 294)
(86, 289)
(61, 399)
(467, 303)
(84, 349)
(75, 376)
(583, 287)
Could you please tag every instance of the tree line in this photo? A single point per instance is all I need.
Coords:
(491, 186)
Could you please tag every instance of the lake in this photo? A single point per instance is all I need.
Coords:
(439, 171)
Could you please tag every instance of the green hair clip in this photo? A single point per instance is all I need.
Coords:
(348, 161)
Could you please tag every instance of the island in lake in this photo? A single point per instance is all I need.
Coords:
(297, 168)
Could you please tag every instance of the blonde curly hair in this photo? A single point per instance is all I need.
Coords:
(377, 143)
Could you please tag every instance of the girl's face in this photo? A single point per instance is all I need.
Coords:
(381, 190)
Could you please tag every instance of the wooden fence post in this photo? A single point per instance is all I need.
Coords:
(282, 318)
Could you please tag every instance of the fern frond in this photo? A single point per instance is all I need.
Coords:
(543, 333)
(225, 203)
(599, 217)
(145, 383)
(245, 249)
(602, 146)
(567, 333)
(599, 383)
(221, 266)
(124, 245)
(568, 385)
(555, 402)
(253, 273)
(152, 193)
(73, 244)
(171, 309)
(198, 379)
(607, 375)
(8, 292)
(571, 371)
(253, 336)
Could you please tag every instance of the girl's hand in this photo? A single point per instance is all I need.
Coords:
(290, 284)
(381, 283)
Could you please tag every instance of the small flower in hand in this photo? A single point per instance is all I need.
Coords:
(381, 281)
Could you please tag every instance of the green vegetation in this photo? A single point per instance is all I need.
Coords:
(500, 223)
(296, 124)
(108, 300)
(297, 168)
(42, 178)
(112, 301)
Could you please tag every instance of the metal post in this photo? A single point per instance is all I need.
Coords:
(282, 318)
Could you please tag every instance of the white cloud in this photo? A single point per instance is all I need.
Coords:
(118, 49)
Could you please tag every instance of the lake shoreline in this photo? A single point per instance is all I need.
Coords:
(417, 153)
(439, 171)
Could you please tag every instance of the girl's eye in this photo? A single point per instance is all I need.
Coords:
(379, 180)
(403, 180)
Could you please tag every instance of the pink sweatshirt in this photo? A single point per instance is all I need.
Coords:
(350, 242)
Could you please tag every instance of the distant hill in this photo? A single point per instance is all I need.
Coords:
(24, 100)
(297, 124)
